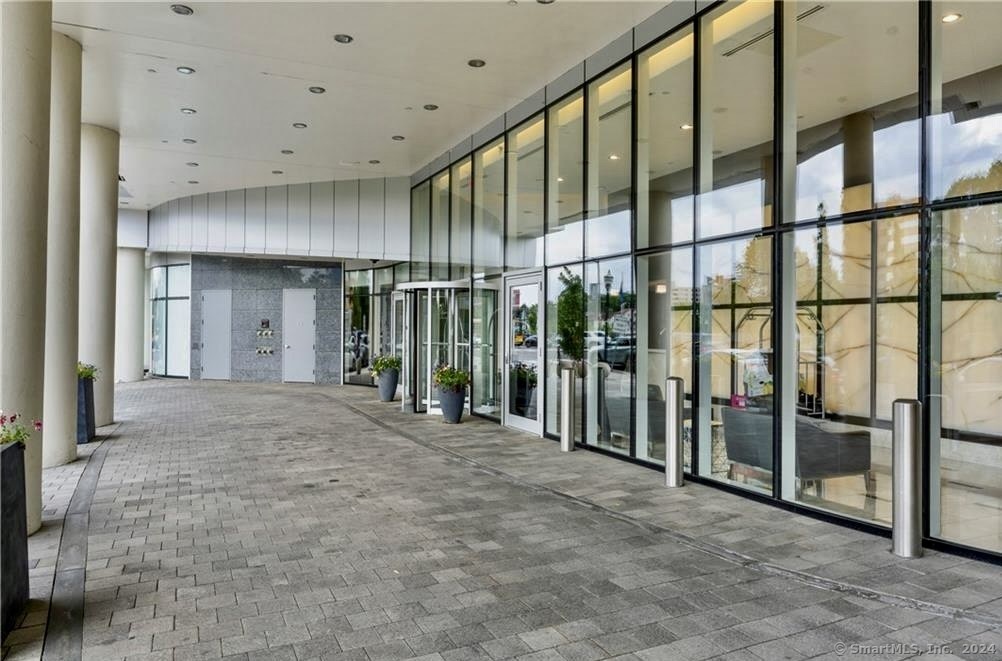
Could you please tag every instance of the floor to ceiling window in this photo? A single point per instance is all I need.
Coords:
(170, 298)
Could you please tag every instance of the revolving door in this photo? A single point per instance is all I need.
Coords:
(431, 328)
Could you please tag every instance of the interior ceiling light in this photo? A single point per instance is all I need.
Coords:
(316, 89)
(398, 138)
(476, 64)
(430, 106)
(344, 38)
(189, 141)
(192, 164)
(560, 179)
(299, 125)
(185, 70)
(613, 157)
(287, 151)
(952, 18)
(182, 10)
(686, 127)
(188, 111)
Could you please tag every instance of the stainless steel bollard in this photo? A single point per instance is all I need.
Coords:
(567, 383)
(674, 393)
(906, 484)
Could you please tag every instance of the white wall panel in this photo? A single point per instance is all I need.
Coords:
(235, 220)
(276, 219)
(132, 228)
(254, 221)
(216, 241)
(397, 223)
(184, 224)
(322, 218)
(172, 222)
(346, 218)
(371, 207)
(299, 220)
(199, 222)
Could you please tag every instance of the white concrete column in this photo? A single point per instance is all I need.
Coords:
(25, 64)
(98, 261)
(63, 267)
(129, 314)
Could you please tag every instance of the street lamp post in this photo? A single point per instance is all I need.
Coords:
(607, 279)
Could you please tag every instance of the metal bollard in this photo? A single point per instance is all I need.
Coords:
(906, 480)
(567, 409)
(674, 393)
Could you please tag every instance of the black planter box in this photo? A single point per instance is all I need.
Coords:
(85, 411)
(14, 540)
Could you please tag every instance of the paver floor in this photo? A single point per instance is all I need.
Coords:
(278, 522)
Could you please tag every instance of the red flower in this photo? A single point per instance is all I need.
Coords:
(13, 417)
(37, 424)
(3, 419)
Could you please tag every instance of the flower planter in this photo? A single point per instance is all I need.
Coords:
(85, 411)
(388, 380)
(14, 542)
(452, 402)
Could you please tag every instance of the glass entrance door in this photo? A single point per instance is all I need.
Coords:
(522, 352)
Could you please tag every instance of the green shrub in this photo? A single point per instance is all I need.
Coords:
(451, 379)
(87, 371)
(385, 363)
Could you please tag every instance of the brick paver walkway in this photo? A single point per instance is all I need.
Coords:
(277, 522)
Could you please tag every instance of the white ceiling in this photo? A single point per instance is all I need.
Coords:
(254, 62)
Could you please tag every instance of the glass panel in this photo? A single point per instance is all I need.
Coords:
(858, 135)
(966, 127)
(609, 157)
(158, 340)
(440, 226)
(488, 209)
(565, 149)
(566, 305)
(664, 347)
(423, 369)
(485, 332)
(398, 327)
(179, 280)
(420, 228)
(158, 282)
(526, 174)
(523, 343)
(967, 451)
(382, 280)
(609, 345)
(462, 322)
(178, 337)
(462, 219)
(736, 362)
(357, 344)
(736, 85)
(401, 273)
(664, 148)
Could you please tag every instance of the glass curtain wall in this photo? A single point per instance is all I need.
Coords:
(421, 232)
(461, 236)
(368, 319)
(440, 205)
(171, 320)
(789, 288)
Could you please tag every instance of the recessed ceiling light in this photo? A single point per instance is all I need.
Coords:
(287, 151)
(164, 141)
(398, 138)
(952, 18)
(276, 172)
(316, 89)
(151, 71)
(182, 10)
(344, 38)
(299, 125)
(348, 163)
(374, 162)
(613, 157)
(545, 2)
(430, 106)
(686, 127)
(185, 70)
(189, 141)
(192, 164)
(476, 64)
(188, 111)
(192, 181)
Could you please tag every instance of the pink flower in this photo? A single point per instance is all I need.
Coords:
(37, 424)
(13, 417)
(3, 419)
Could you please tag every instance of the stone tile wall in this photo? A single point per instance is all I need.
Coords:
(256, 286)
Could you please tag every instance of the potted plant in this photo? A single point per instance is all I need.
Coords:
(451, 384)
(387, 370)
(86, 375)
(13, 520)
(523, 380)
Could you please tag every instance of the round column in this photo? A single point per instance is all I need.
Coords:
(25, 61)
(60, 404)
(129, 311)
(98, 260)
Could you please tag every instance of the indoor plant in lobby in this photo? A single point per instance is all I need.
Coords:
(451, 384)
(387, 370)
(86, 375)
(13, 519)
